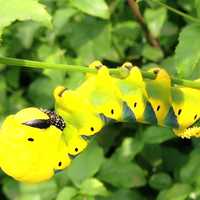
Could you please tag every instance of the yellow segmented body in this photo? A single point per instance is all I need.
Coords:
(36, 143)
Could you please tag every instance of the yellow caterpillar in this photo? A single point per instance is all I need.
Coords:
(83, 112)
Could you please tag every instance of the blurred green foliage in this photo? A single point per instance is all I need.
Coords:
(121, 163)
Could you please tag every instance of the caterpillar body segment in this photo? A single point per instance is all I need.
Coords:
(185, 104)
(159, 95)
(74, 141)
(77, 111)
(102, 94)
(133, 92)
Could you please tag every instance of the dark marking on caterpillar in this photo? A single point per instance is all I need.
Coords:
(38, 123)
(179, 111)
(55, 119)
(155, 71)
(128, 65)
(112, 111)
(76, 149)
(62, 92)
(31, 139)
(158, 108)
(195, 117)
(128, 114)
(171, 119)
(149, 114)
(92, 129)
(135, 104)
(60, 164)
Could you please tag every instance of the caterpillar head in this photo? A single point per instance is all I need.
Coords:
(29, 143)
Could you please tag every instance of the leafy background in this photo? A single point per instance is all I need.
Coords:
(123, 162)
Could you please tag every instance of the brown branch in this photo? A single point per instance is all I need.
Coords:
(136, 12)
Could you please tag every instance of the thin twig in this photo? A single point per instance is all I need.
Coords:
(136, 12)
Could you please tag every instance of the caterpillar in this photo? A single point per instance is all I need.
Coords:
(81, 113)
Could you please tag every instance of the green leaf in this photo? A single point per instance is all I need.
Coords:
(93, 187)
(160, 181)
(152, 53)
(67, 193)
(178, 191)
(82, 197)
(86, 164)
(187, 53)
(26, 32)
(16, 102)
(190, 172)
(12, 77)
(74, 80)
(61, 17)
(197, 6)
(56, 56)
(152, 153)
(93, 43)
(97, 8)
(155, 19)
(125, 35)
(128, 149)
(3, 94)
(169, 65)
(13, 10)
(45, 191)
(40, 92)
(125, 194)
(154, 134)
(122, 174)
(173, 159)
(10, 188)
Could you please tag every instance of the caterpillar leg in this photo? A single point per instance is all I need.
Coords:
(188, 133)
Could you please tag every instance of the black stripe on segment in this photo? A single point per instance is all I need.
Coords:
(38, 123)
(62, 92)
(149, 114)
(171, 119)
(128, 114)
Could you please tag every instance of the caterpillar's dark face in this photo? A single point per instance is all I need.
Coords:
(53, 120)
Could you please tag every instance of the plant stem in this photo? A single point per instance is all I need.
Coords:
(177, 11)
(77, 68)
(44, 65)
(136, 12)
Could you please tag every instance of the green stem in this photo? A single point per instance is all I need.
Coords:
(77, 68)
(178, 12)
(43, 65)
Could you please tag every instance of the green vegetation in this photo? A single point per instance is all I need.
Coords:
(123, 162)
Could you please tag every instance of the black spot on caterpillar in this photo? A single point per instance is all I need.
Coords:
(30, 139)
